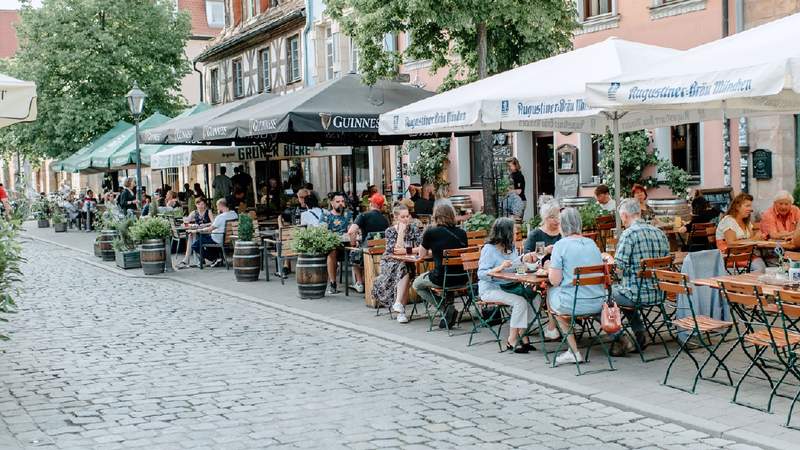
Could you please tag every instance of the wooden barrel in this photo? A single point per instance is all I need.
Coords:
(668, 208)
(312, 275)
(246, 261)
(575, 202)
(461, 202)
(43, 223)
(153, 256)
(106, 250)
(97, 251)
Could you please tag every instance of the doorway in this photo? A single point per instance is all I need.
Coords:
(544, 160)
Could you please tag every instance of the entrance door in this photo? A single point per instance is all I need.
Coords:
(544, 158)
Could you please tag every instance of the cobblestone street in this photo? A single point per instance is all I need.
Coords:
(101, 360)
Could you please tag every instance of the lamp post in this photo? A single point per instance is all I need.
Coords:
(136, 104)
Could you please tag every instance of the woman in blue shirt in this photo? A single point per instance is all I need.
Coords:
(498, 254)
(572, 251)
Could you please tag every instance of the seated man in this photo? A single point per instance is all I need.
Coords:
(372, 221)
(639, 241)
(337, 219)
(445, 235)
(780, 220)
(215, 232)
(603, 196)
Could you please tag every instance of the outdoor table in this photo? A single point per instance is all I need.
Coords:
(536, 283)
(744, 278)
(529, 279)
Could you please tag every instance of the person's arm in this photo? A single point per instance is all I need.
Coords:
(554, 272)
(730, 237)
(769, 226)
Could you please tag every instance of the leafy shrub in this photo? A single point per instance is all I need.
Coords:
(57, 215)
(245, 228)
(42, 208)
(315, 241)
(124, 241)
(589, 214)
(10, 268)
(479, 221)
(151, 228)
(433, 157)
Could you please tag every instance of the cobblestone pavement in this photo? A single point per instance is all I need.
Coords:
(100, 360)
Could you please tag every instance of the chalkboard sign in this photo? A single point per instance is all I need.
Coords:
(719, 198)
(762, 164)
(567, 186)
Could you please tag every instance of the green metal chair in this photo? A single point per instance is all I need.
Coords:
(453, 286)
(485, 315)
(784, 343)
(702, 328)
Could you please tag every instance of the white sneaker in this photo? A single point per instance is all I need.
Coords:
(398, 308)
(568, 358)
(401, 318)
(551, 334)
(358, 287)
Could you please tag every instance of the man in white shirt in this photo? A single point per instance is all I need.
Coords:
(603, 196)
(214, 233)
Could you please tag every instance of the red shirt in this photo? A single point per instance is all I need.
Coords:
(3, 193)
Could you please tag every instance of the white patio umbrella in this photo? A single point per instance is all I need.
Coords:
(17, 101)
(756, 72)
(547, 95)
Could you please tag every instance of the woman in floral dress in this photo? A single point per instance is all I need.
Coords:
(391, 286)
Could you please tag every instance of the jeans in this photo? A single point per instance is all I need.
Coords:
(423, 285)
(632, 315)
(203, 239)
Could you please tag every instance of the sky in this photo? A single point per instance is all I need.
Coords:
(14, 4)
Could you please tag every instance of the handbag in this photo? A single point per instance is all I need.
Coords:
(610, 317)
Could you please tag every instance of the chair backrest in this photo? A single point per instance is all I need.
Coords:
(794, 256)
(744, 295)
(478, 234)
(476, 242)
(739, 257)
(789, 303)
(231, 230)
(650, 264)
(592, 275)
(451, 259)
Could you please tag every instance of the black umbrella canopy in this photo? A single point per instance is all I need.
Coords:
(344, 111)
(189, 129)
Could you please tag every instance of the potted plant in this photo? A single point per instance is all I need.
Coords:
(589, 214)
(312, 245)
(479, 221)
(246, 253)
(126, 253)
(58, 219)
(41, 212)
(152, 232)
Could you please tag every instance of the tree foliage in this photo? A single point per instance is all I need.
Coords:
(84, 56)
(446, 33)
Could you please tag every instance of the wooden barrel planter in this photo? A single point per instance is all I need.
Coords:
(106, 250)
(153, 255)
(461, 202)
(671, 207)
(575, 202)
(60, 227)
(312, 275)
(43, 223)
(128, 260)
(246, 261)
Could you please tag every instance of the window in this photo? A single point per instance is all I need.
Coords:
(475, 163)
(215, 13)
(274, 3)
(238, 81)
(331, 40)
(686, 148)
(355, 57)
(266, 85)
(593, 8)
(293, 59)
(249, 9)
(214, 85)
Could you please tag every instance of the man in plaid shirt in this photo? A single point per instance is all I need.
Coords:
(639, 241)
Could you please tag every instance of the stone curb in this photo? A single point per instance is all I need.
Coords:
(715, 429)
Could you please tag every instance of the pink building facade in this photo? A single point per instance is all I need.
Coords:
(697, 148)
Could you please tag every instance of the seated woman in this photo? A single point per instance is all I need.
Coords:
(572, 251)
(498, 254)
(737, 226)
(201, 216)
(549, 231)
(640, 193)
(311, 216)
(391, 286)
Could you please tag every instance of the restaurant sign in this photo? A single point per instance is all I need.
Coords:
(762, 164)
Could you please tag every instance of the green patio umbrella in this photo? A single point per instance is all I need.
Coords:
(98, 160)
(69, 164)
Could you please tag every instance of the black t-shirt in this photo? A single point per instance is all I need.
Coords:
(423, 206)
(372, 221)
(538, 235)
(439, 239)
(518, 182)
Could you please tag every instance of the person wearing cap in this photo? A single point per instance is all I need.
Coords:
(780, 220)
(366, 225)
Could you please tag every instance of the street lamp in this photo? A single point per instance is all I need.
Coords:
(136, 105)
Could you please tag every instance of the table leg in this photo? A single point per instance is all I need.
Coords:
(346, 273)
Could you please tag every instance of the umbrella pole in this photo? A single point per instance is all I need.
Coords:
(617, 184)
(208, 190)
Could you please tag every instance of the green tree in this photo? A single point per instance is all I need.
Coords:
(472, 38)
(84, 56)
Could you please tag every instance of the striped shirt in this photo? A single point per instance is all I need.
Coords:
(639, 241)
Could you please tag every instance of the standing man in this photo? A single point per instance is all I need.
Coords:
(337, 220)
(639, 241)
(223, 186)
(780, 220)
(372, 221)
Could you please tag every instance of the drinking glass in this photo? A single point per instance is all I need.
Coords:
(540, 250)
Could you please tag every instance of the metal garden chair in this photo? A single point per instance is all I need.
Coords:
(452, 287)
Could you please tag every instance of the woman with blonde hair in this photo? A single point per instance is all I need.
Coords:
(737, 226)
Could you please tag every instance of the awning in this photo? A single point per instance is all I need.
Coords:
(69, 164)
(188, 128)
(98, 159)
(340, 112)
(17, 101)
(189, 155)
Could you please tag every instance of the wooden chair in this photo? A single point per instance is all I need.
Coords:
(372, 262)
(283, 249)
(599, 275)
(485, 314)
(785, 344)
(738, 258)
(605, 229)
(593, 235)
(702, 236)
(231, 227)
(700, 327)
(452, 287)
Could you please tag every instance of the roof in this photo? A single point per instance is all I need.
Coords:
(197, 12)
(8, 35)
